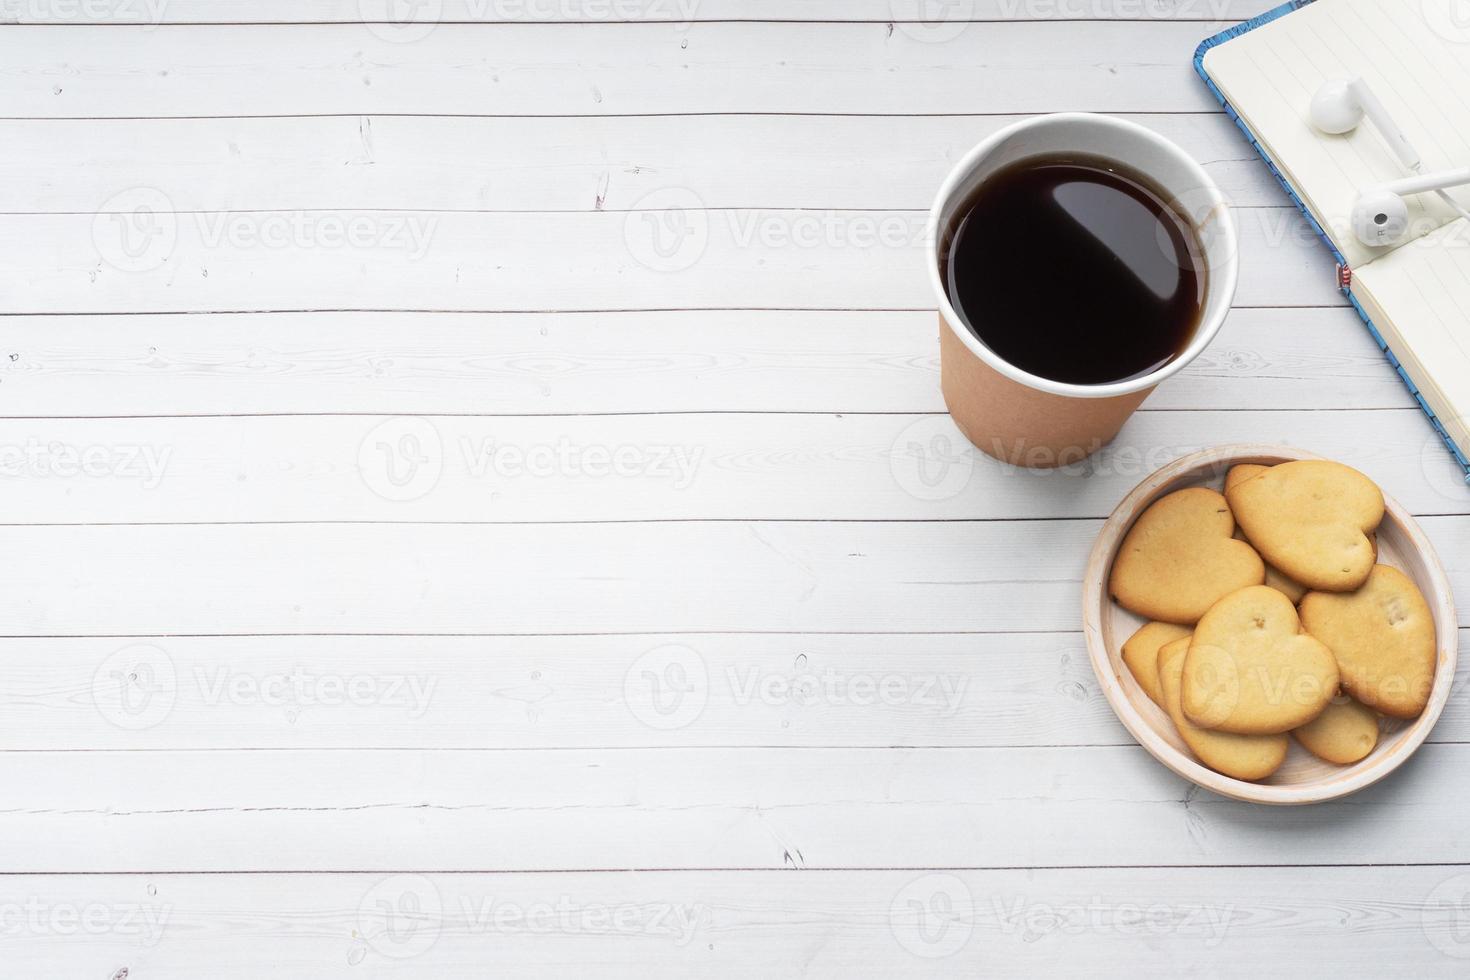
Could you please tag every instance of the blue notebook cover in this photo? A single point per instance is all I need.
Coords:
(1344, 275)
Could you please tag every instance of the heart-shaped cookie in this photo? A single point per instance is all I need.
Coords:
(1311, 518)
(1251, 670)
(1240, 756)
(1383, 637)
(1241, 472)
(1291, 588)
(1344, 733)
(1179, 558)
(1141, 654)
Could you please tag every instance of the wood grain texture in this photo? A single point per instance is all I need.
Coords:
(543, 692)
(661, 467)
(705, 808)
(1081, 923)
(535, 163)
(826, 576)
(550, 692)
(591, 363)
(450, 12)
(673, 254)
(599, 69)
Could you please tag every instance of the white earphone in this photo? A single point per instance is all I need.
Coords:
(1380, 216)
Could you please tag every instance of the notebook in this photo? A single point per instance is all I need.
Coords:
(1415, 54)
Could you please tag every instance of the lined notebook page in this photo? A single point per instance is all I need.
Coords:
(1416, 56)
(1419, 297)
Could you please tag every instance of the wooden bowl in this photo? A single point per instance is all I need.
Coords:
(1303, 778)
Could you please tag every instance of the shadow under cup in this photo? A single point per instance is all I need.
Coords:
(1029, 420)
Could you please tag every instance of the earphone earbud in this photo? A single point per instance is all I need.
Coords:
(1381, 215)
(1335, 109)
(1340, 105)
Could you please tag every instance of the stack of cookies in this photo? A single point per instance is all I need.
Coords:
(1270, 617)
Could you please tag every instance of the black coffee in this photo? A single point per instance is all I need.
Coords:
(1074, 269)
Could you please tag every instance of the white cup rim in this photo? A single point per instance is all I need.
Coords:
(1221, 275)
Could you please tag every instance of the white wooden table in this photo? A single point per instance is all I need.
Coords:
(463, 515)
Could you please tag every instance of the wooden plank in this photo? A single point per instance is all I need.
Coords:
(599, 69)
(550, 692)
(478, 469)
(672, 254)
(563, 578)
(1081, 923)
(912, 14)
(706, 808)
(535, 164)
(542, 578)
(707, 361)
(422, 692)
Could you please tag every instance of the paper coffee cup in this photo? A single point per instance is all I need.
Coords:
(1021, 417)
